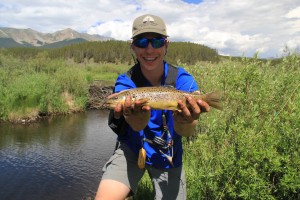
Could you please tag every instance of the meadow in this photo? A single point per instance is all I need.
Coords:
(250, 150)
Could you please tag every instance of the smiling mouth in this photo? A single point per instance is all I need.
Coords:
(150, 59)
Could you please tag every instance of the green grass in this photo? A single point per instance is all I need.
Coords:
(43, 86)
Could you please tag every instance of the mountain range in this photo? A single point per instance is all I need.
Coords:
(13, 37)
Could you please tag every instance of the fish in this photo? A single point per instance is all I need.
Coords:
(161, 98)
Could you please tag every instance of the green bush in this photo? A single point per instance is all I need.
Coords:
(250, 150)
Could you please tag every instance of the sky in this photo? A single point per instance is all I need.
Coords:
(233, 28)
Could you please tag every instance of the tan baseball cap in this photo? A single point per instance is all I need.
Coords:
(149, 24)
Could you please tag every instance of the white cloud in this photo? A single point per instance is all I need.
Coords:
(232, 27)
(294, 13)
(116, 29)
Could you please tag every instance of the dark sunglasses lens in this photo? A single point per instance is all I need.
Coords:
(144, 42)
(158, 42)
(141, 42)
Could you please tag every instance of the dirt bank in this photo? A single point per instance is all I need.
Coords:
(97, 95)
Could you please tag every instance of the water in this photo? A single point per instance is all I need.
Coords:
(58, 158)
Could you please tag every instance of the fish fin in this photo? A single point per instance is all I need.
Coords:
(168, 86)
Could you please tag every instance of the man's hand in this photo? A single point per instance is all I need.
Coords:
(136, 113)
(186, 119)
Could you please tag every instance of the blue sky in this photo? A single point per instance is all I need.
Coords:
(193, 1)
(233, 27)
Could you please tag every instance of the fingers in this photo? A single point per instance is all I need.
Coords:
(127, 109)
(194, 107)
(135, 106)
(185, 115)
(203, 106)
(190, 110)
(197, 106)
(142, 104)
(118, 111)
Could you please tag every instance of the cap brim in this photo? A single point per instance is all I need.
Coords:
(149, 31)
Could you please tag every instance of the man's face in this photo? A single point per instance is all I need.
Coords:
(148, 56)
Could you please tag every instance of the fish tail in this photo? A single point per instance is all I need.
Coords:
(214, 99)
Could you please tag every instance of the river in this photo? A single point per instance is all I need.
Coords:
(59, 158)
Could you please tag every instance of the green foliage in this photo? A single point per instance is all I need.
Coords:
(41, 85)
(250, 150)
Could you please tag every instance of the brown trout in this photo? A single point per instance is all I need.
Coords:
(161, 98)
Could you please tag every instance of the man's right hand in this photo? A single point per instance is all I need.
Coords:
(136, 113)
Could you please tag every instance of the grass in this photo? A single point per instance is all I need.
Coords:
(42, 86)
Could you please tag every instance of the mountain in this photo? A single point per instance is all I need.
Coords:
(13, 37)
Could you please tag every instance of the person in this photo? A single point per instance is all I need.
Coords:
(157, 132)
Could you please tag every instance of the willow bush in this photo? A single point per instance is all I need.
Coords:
(250, 150)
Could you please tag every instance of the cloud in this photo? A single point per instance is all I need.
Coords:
(116, 29)
(294, 13)
(232, 27)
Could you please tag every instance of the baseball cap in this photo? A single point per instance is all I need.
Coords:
(149, 23)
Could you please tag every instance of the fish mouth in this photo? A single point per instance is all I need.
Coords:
(109, 104)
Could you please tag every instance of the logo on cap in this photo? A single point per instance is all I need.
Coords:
(148, 20)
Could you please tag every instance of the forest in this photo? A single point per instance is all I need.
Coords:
(113, 51)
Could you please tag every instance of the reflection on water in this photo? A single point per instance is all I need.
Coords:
(58, 158)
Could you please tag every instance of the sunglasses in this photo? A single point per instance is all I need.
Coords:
(144, 42)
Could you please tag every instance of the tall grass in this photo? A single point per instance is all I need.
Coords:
(42, 86)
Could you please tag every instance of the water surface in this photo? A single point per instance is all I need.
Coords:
(57, 158)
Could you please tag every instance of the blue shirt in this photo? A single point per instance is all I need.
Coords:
(135, 140)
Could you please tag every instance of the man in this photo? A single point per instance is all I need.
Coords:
(156, 132)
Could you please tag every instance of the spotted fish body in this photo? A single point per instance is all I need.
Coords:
(161, 98)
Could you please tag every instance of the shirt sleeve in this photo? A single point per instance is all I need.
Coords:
(123, 82)
(185, 81)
